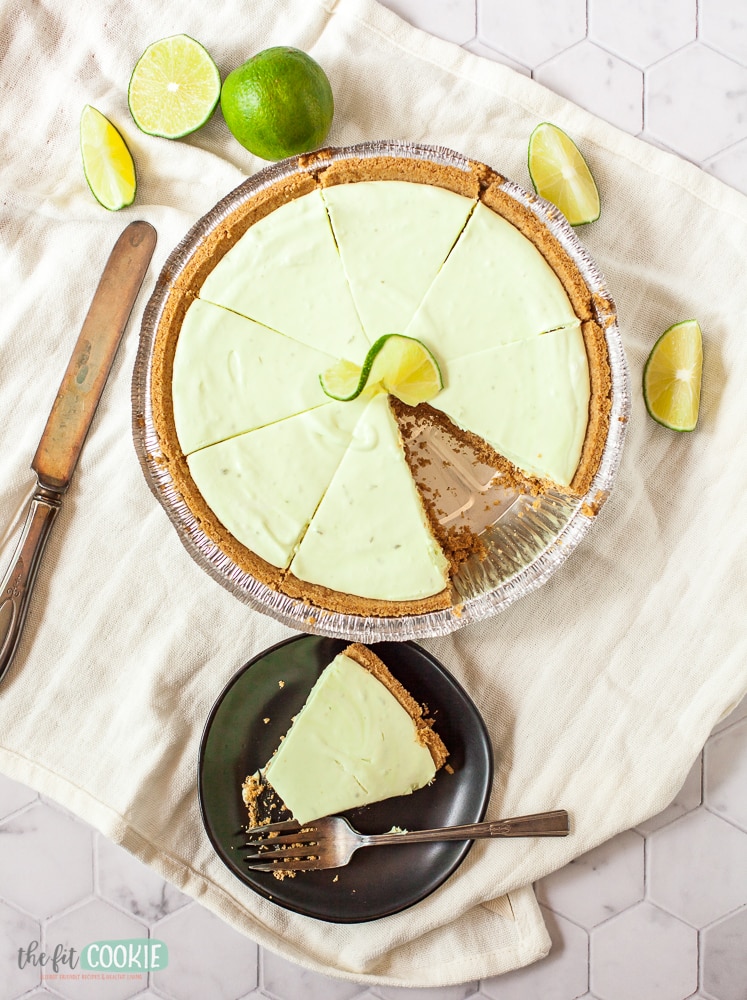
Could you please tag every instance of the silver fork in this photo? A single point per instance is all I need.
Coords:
(331, 842)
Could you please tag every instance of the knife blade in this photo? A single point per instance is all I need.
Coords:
(69, 420)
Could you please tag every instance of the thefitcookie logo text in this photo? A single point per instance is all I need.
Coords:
(131, 955)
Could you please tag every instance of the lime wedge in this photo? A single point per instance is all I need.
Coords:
(174, 87)
(107, 162)
(560, 174)
(400, 365)
(671, 378)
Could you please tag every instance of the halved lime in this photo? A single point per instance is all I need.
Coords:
(401, 365)
(671, 378)
(107, 162)
(174, 87)
(560, 174)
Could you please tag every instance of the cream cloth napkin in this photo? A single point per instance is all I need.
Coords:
(599, 689)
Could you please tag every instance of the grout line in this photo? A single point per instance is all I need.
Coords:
(710, 47)
(588, 950)
(13, 816)
(726, 819)
(701, 961)
(260, 967)
(95, 870)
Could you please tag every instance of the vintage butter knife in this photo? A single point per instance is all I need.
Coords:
(71, 416)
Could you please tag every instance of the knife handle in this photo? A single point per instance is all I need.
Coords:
(15, 589)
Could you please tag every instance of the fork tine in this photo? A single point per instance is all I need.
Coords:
(292, 851)
(279, 866)
(286, 825)
(300, 837)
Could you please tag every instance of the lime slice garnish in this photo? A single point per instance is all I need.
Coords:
(671, 378)
(406, 368)
(344, 380)
(107, 162)
(400, 365)
(174, 87)
(560, 174)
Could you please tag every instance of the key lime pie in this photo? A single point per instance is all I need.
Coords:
(360, 738)
(318, 497)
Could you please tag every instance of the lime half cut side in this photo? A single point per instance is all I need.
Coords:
(671, 377)
(400, 365)
(561, 176)
(107, 162)
(174, 87)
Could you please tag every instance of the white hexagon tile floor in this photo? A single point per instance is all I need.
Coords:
(657, 913)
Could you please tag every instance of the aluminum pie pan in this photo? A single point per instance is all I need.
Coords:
(530, 537)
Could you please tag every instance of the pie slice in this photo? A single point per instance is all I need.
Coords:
(232, 375)
(370, 536)
(285, 271)
(359, 738)
(495, 288)
(529, 401)
(393, 238)
(264, 486)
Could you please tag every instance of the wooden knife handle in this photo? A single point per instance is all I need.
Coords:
(15, 589)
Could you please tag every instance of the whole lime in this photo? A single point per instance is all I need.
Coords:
(278, 103)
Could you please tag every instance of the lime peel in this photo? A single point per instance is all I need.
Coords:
(672, 376)
(174, 87)
(395, 363)
(561, 175)
(107, 162)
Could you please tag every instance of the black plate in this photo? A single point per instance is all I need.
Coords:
(378, 881)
